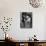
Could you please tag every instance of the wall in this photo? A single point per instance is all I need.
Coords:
(13, 8)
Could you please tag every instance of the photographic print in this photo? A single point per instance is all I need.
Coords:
(26, 20)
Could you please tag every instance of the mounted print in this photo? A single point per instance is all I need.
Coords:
(26, 20)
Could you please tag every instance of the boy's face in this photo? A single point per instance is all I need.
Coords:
(27, 17)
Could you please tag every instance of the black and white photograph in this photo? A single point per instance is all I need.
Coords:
(26, 20)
